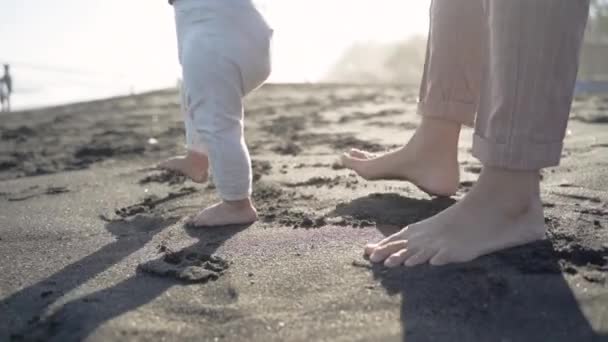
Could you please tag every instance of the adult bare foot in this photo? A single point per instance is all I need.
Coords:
(502, 210)
(429, 160)
(226, 213)
(193, 165)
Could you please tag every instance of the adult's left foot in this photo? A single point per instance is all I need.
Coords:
(502, 210)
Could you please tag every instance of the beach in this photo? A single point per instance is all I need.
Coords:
(94, 244)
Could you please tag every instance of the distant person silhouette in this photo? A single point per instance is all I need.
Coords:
(6, 89)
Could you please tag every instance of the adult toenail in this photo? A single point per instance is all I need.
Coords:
(375, 257)
(391, 261)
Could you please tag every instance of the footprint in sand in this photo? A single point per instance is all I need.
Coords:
(149, 203)
(34, 192)
(187, 266)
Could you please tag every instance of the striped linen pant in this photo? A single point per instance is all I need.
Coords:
(508, 69)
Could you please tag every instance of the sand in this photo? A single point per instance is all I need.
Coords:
(94, 246)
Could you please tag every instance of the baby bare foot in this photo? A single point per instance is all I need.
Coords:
(429, 160)
(226, 213)
(502, 210)
(193, 165)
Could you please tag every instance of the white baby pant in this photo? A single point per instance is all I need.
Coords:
(224, 51)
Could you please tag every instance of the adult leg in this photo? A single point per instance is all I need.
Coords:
(528, 82)
(448, 99)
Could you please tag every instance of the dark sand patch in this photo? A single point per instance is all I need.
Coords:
(285, 126)
(104, 146)
(164, 177)
(260, 168)
(51, 152)
(592, 119)
(597, 212)
(21, 133)
(139, 223)
(315, 165)
(288, 148)
(337, 165)
(295, 218)
(583, 198)
(338, 142)
(599, 145)
(358, 116)
(64, 139)
(149, 203)
(406, 126)
(343, 143)
(35, 191)
(330, 182)
(276, 206)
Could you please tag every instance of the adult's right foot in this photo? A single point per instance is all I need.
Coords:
(429, 160)
(502, 210)
(193, 165)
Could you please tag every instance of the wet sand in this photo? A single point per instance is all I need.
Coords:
(94, 247)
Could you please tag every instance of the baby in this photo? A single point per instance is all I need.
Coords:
(224, 51)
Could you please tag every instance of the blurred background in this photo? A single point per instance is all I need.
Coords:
(72, 50)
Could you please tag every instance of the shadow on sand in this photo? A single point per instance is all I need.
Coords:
(391, 210)
(515, 295)
(78, 318)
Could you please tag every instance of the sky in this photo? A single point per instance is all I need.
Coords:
(72, 50)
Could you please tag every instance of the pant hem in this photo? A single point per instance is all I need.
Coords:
(459, 112)
(241, 197)
(522, 155)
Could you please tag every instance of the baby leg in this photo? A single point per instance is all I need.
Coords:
(195, 164)
(215, 103)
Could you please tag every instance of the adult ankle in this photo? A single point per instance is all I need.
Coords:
(437, 137)
(439, 128)
(513, 190)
